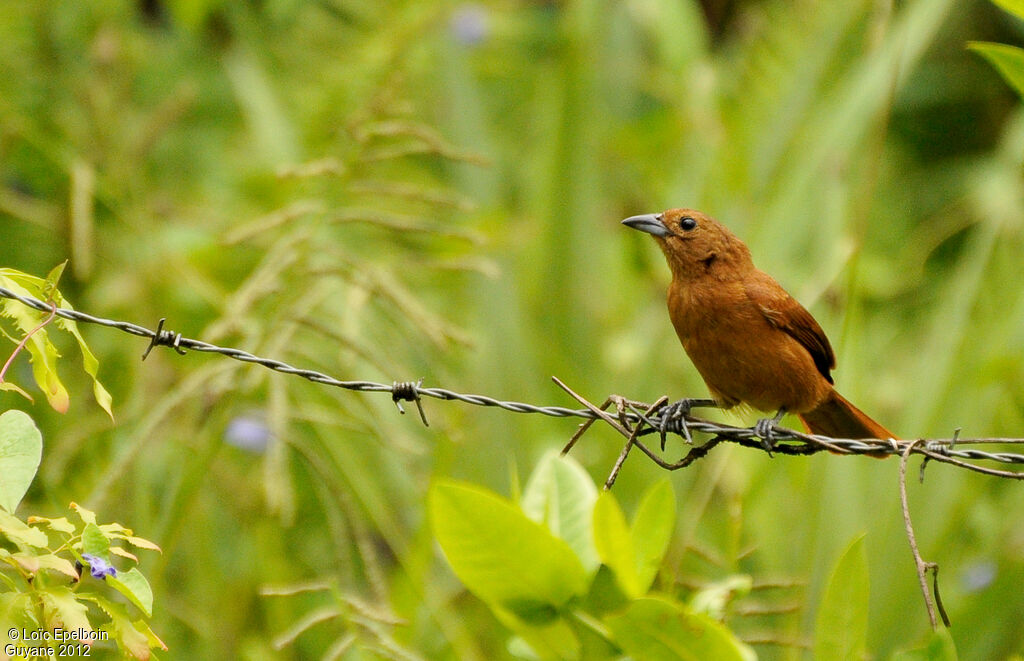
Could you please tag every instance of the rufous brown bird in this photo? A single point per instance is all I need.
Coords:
(750, 340)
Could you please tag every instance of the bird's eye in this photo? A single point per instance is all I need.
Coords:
(686, 223)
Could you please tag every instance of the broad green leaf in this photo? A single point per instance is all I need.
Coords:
(117, 550)
(940, 647)
(134, 585)
(91, 366)
(615, 544)
(23, 535)
(94, 541)
(89, 362)
(44, 357)
(57, 563)
(33, 563)
(651, 530)
(112, 532)
(16, 611)
(42, 351)
(63, 609)
(26, 561)
(87, 516)
(142, 543)
(561, 495)
(551, 640)
(60, 524)
(1008, 61)
(21, 448)
(128, 635)
(115, 529)
(606, 594)
(1015, 7)
(659, 629)
(51, 281)
(154, 640)
(501, 555)
(634, 552)
(840, 630)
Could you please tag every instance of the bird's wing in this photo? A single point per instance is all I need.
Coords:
(785, 313)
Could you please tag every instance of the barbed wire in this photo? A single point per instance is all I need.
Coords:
(636, 424)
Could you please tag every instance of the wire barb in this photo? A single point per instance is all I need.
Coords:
(162, 338)
(409, 392)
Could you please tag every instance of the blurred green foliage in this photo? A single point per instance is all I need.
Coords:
(49, 606)
(403, 189)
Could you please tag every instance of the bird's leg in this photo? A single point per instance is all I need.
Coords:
(765, 427)
(673, 417)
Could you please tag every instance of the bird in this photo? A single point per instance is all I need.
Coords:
(751, 341)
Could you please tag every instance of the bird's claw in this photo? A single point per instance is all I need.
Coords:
(765, 429)
(673, 418)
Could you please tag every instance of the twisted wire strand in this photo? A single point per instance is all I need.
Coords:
(413, 391)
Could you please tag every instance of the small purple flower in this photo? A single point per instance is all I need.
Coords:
(249, 432)
(470, 23)
(978, 575)
(98, 567)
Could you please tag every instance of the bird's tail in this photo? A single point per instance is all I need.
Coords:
(838, 418)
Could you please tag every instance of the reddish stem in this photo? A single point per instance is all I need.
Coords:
(21, 345)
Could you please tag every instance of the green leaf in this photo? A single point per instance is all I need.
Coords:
(87, 516)
(52, 278)
(89, 362)
(16, 611)
(614, 543)
(1015, 7)
(23, 535)
(652, 529)
(142, 543)
(112, 530)
(840, 630)
(10, 387)
(1008, 61)
(552, 640)
(33, 563)
(659, 629)
(128, 635)
(940, 647)
(91, 366)
(134, 585)
(63, 609)
(501, 555)
(561, 495)
(21, 448)
(57, 563)
(635, 552)
(44, 354)
(60, 525)
(94, 541)
(154, 640)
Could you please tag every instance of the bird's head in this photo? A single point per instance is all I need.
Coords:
(694, 243)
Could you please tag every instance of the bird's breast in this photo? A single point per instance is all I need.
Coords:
(739, 354)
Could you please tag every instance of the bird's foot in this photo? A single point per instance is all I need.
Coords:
(673, 418)
(765, 429)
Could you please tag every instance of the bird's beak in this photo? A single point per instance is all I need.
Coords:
(650, 223)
